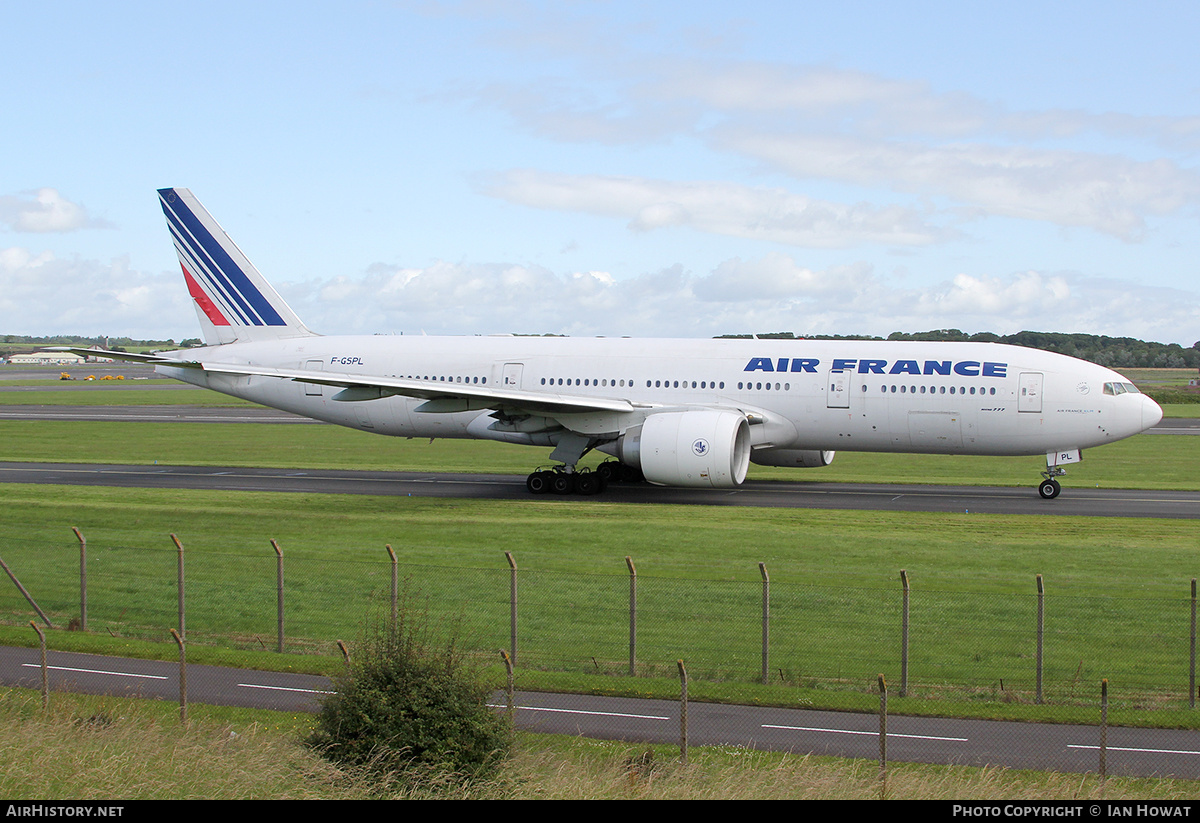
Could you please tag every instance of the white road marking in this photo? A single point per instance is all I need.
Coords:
(283, 688)
(872, 734)
(94, 671)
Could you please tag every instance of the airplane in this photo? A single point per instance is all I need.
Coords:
(673, 412)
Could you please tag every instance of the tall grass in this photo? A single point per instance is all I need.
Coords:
(112, 749)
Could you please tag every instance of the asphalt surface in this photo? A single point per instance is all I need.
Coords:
(1064, 748)
(771, 494)
(873, 497)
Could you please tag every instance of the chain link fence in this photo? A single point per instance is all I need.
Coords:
(1031, 646)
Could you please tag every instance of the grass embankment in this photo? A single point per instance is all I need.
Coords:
(89, 748)
(835, 587)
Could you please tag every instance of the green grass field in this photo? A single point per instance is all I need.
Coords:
(1120, 586)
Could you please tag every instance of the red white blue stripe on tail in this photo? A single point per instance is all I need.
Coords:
(233, 301)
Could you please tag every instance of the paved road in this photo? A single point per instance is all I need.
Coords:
(1142, 752)
(771, 494)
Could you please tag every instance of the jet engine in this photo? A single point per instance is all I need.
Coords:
(793, 458)
(706, 449)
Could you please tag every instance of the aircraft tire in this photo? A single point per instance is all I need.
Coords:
(562, 483)
(609, 470)
(1049, 489)
(538, 483)
(589, 483)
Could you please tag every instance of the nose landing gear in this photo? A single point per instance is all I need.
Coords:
(1050, 488)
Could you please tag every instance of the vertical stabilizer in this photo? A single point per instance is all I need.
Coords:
(233, 301)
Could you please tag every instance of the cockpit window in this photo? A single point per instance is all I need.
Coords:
(1120, 388)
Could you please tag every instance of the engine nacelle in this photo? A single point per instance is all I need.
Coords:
(793, 458)
(706, 449)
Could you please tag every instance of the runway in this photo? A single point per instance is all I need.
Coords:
(764, 494)
(1057, 747)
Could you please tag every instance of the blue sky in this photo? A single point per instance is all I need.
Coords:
(611, 168)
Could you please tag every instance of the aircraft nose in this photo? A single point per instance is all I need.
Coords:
(1151, 413)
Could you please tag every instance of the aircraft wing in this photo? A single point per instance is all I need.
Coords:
(439, 396)
(131, 356)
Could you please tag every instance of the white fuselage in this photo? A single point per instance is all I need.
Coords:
(964, 398)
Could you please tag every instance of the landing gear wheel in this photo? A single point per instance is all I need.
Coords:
(589, 483)
(539, 482)
(562, 483)
(1049, 489)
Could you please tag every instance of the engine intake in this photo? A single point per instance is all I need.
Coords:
(705, 449)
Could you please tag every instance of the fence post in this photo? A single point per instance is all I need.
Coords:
(1041, 628)
(683, 706)
(82, 578)
(632, 613)
(45, 668)
(882, 738)
(182, 678)
(766, 620)
(1192, 653)
(278, 596)
(179, 586)
(1103, 731)
(904, 635)
(28, 597)
(395, 584)
(512, 606)
(509, 689)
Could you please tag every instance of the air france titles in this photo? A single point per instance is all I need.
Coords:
(810, 365)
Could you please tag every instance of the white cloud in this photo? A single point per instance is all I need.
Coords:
(45, 211)
(770, 293)
(773, 215)
(818, 123)
(42, 294)
(1110, 194)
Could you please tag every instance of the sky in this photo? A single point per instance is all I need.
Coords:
(681, 169)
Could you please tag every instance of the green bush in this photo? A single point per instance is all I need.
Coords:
(411, 704)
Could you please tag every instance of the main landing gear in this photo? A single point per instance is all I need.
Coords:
(1050, 488)
(560, 480)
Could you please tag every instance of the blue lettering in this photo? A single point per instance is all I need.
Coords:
(871, 366)
(967, 368)
(842, 364)
(759, 364)
(805, 364)
(783, 361)
(937, 367)
(905, 367)
(995, 370)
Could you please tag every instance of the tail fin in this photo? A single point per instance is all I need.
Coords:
(233, 301)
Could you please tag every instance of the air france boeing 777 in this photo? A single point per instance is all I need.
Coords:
(674, 412)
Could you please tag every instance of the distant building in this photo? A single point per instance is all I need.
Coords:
(44, 358)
